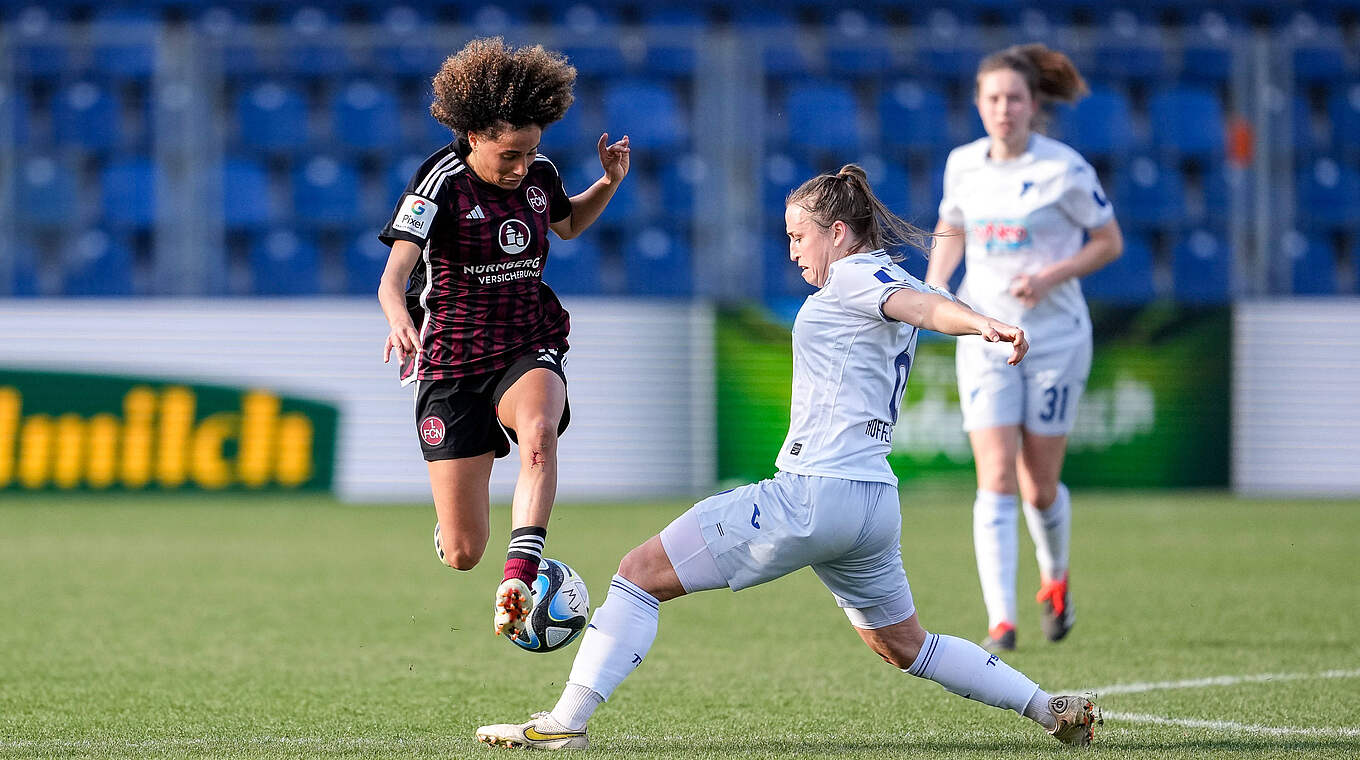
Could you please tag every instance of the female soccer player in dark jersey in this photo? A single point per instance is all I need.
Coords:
(472, 323)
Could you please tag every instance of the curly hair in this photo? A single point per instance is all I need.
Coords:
(488, 85)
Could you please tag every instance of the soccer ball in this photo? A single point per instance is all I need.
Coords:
(561, 609)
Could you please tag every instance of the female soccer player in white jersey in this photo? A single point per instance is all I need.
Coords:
(1033, 219)
(833, 504)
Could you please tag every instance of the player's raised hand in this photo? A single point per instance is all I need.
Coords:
(613, 157)
(1000, 332)
(404, 340)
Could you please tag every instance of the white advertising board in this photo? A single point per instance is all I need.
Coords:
(640, 379)
(1296, 397)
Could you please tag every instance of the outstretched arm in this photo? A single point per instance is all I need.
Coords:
(932, 311)
(587, 206)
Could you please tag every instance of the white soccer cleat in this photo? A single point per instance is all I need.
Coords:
(1077, 719)
(541, 732)
(513, 604)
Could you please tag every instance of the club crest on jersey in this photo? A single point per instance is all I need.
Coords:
(538, 200)
(514, 236)
(432, 430)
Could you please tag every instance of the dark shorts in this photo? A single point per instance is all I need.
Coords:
(456, 418)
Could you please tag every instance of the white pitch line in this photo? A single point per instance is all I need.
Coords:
(1227, 725)
(1199, 683)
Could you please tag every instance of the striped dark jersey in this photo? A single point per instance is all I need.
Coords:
(477, 294)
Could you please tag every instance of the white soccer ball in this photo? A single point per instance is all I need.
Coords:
(561, 608)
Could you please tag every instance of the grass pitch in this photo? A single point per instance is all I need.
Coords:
(299, 627)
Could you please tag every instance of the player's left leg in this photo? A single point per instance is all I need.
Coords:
(1055, 387)
(966, 669)
(531, 408)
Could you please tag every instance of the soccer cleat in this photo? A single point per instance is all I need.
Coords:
(1000, 639)
(541, 732)
(513, 603)
(1057, 616)
(1077, 719)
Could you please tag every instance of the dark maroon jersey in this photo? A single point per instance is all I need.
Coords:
(477, 294)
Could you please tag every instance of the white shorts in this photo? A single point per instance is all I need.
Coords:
(848, 531)
(1041, 393)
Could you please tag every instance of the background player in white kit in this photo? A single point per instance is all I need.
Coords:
(833, 504)
(1024, 202)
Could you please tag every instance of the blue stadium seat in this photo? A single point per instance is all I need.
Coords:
(14, 116)
(656, 262)
(1319, 49)
(97, 264)
(891, 184)
(1220, 184)
(125, 41)
(246, 194)
(601, 58)
(272, 116)
(128, 193)
(366, 117)
(312, 47)
(855, 47)
(1132, 57)
(952, 49)
(822, 117)
(680, 181)
(568, 136)
(1100, 124)
(1312, 262)
(227, 46)
(283, 262)
(326, 192)
(1207, 53)
(1188, 120)
(43, 191)
(626, 205)
(1343, 107)
(1327, 192)
(1146, 194)
(781, 175)
(87, 115)
(40, 49)
(1200, 265)
(1126, 281)
(782, 277)
(913, 117)
(26, 281)
(648, 112)
(365, 259)
(573, 266)
(397, 175)
(1301, 124)
(777, 31)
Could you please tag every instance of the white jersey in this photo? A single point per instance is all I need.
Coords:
(1020, 216)
(850, 367)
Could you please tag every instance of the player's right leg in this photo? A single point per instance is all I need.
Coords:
(964, 668)
(462, 507)
(995, 535)
(992, 399)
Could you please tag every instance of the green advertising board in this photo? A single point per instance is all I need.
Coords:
(61, 430)
(1155, 412)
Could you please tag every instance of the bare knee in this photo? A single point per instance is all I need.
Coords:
(537, 441)
(1043, 496)
(461, 553)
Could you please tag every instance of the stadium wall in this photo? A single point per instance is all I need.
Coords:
(640, 375)
(1296, 398)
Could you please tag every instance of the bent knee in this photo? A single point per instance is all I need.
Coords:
(461, 555)
(537, 435)
(1043, 497)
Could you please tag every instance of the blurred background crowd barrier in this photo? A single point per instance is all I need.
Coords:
(181, 148)
(214, 176)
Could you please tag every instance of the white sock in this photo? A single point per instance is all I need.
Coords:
(1051, 530)
(995, 544)
(966, 669)
(618, 637)
(1037, 710)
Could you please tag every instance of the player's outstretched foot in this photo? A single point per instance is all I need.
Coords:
(1077, 719)
(541, 732)
(1057, 616)
(513, 603)
(1000, 639)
